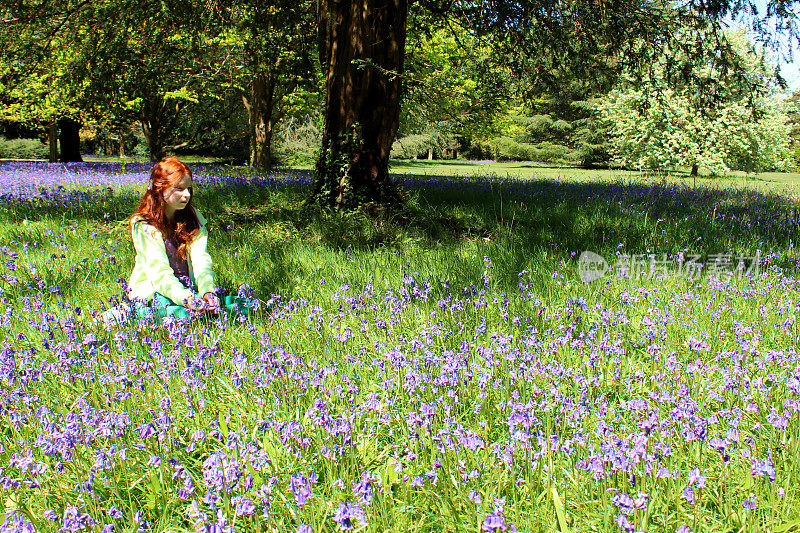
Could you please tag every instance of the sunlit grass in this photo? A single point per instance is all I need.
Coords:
(449, 352)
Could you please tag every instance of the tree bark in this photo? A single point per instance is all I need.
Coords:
(151, 127)
(260, 109)
(155, 124)
(52, 137)
(361, 46)
(69, 140)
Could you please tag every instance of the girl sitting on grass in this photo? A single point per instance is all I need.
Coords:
(172, 272)
(172, 269)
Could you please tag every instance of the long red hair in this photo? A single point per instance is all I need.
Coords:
(185, 226)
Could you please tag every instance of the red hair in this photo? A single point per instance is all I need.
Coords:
(185, 226)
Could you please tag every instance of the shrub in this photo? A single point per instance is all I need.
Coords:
(476, 150)
(23, 149)
(412, 146)
(298, 141)
(507, 149)
(418, 145)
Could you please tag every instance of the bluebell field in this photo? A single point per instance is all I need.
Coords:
(412, 404)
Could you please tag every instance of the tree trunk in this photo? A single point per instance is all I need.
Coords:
(52, 137)
(259, 114)
(69, 140)
(361, 46)
(152, 117)
(152, 133)
(695, 169)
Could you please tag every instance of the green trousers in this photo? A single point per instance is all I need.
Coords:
(161, 306)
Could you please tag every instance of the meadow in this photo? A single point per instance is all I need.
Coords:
(444, 367)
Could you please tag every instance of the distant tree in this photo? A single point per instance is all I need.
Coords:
(117, 57)
(269, 48)
(793, 105)
(702, 121)
(34, 87)
(667, 131)
(455, 85)
(158, 62)
(153, 58)
(362, 51)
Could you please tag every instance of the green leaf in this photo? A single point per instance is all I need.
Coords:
(787, 527)
(562, 519)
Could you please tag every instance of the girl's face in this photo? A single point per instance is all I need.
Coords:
(177, 197)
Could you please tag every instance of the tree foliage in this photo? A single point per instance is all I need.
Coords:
(153, 62)
(668, 131)
(541, 40)
(453, 81)
(116, 58)
(35, 86)
(701, 122)
(269, 49)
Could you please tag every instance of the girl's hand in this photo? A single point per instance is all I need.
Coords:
(212, 302)
(195, 304)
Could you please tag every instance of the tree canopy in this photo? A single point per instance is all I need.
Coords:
(454, 75)
(542, 41)
(700, 120)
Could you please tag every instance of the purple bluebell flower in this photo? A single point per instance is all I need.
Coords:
(363, 489)
(74, 520)
(244, 505)
(496, 522)
(624, 524)
(749, 503)
(624, 503)
(14, 522)
(764, 468)
(301, 488)
(347, 513)
(697, 479)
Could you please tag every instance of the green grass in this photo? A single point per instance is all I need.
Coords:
(353, 277)
(785, 182)
(273, 241)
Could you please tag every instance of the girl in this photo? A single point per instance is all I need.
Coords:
(172, 271)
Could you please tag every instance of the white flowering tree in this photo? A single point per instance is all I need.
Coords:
(667, 130)
(657, 125)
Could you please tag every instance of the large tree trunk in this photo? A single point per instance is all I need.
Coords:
(152, 127)
(69, 140)
(362, 45)
(52, 138)
(260, 109)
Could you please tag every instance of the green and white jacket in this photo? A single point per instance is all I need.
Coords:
(152, 273)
